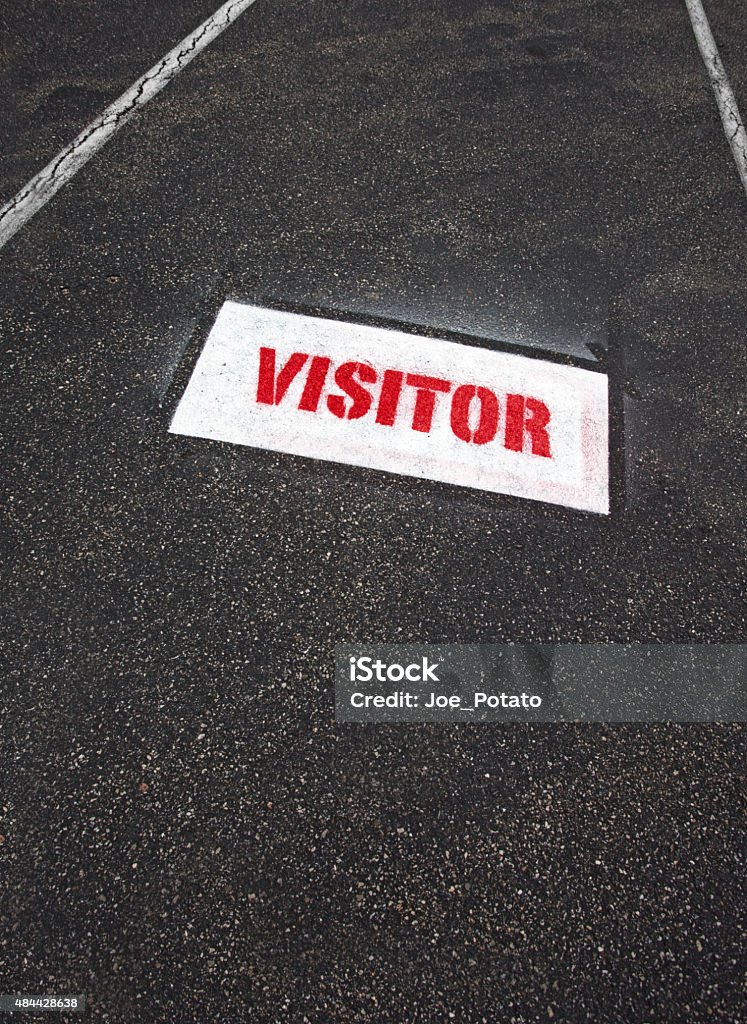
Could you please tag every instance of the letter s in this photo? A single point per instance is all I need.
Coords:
(345, 379)
(364, 665)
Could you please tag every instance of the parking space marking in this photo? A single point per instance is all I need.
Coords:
(722, 90)
(40, 189)
(401, 403)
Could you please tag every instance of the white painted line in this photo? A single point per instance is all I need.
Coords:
(722, 90)
(401, 403)
(69, 161)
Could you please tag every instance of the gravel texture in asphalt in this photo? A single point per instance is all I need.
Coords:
(185, 833)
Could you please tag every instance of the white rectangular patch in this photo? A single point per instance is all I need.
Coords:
(401, 403)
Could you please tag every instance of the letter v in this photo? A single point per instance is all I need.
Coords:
(269, 390)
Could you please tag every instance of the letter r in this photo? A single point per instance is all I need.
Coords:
(527, 417)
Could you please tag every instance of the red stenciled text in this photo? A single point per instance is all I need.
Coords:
(352, 390)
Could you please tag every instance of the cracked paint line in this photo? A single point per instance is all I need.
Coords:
(722, 90)
(40, 189)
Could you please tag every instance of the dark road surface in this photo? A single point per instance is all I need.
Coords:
(187, 835)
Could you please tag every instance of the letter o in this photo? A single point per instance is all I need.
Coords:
(395, 677)
(487, 426)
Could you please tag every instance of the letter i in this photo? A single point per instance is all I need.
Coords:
(391, 389)
(314, 383)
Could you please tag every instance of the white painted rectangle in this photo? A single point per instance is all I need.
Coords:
(401, 403)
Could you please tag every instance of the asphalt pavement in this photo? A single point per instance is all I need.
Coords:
(185, 833)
